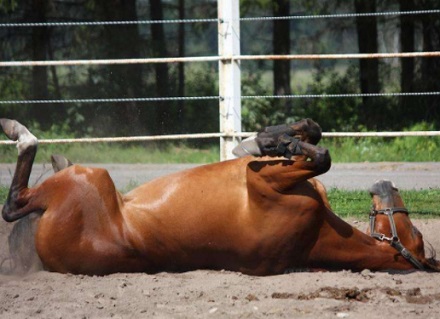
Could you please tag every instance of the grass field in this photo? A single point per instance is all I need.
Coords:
(420, 203)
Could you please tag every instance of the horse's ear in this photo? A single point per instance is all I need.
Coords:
(59, 162)
(382, 188)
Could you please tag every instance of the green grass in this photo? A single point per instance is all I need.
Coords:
(342, 150)
(420, 203)
(116, 153)
(402, 149)
(3, 194)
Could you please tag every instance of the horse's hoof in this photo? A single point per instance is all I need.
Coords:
(10, 127)
(247, 147)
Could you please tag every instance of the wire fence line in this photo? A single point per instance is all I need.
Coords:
(216, 97)
(115, 100)
(215, 20)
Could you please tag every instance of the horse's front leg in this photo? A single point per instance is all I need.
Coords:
(282, 175)
(277, 140)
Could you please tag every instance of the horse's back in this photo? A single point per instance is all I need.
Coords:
(208, 184)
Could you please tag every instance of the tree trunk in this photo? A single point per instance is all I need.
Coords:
(61, 113)
(368, 68)
(181, 70)
(42, 113)
(125, 81)
(428, 108)
(407, 45)
(163, 110)
(281, 45)
(407, 35)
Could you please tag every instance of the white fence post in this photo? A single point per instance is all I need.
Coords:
(229, 74)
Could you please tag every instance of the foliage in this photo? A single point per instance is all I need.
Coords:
(260, 112)
(201, 79)
(8, 5)
(333, 114)
(374, 149)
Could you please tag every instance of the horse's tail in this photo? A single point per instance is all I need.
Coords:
(21, 242)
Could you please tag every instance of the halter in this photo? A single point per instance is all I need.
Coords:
(394, 239)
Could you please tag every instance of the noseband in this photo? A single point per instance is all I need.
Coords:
(394, 239)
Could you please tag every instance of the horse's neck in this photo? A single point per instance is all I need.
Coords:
(345, 247)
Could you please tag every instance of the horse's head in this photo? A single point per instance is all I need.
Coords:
(389, 221)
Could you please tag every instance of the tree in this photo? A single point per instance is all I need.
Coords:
(407, 29)
(428, 108)
(407, 44)
(181, 66)
(40, 43)
(368, 68)
(122, 41)
(163, 111)
(281, 45)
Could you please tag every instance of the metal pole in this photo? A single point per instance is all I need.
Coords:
(229, 74)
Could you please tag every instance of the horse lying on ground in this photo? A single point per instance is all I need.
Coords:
(260, 214)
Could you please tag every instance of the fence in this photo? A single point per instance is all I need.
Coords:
(229, 60)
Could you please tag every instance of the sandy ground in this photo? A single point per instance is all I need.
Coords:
(222, 294)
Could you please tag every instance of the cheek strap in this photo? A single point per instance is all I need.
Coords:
(394, 239)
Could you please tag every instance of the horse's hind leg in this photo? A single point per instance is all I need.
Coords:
(14, 207)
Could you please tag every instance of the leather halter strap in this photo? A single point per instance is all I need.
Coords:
(394, 239)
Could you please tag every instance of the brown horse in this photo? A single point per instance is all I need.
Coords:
(259, 215)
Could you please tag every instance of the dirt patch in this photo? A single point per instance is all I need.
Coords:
(223, 294)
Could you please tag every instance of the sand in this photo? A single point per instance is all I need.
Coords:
(221, 294)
